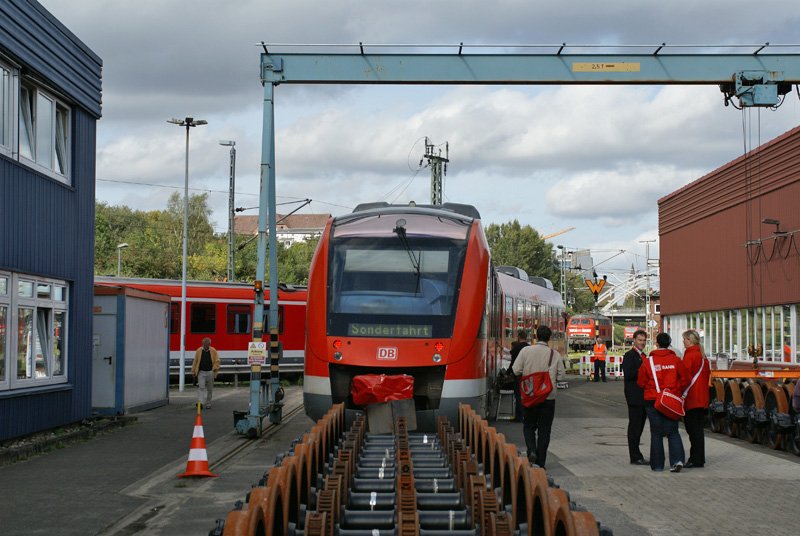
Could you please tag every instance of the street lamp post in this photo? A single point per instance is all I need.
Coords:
(120, 247)
(231, 208)
(188, 123)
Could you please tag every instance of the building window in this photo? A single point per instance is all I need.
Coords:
(6, 115)
(44, 123)
(33, 331)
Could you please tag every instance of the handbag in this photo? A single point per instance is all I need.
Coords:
(534, 388)
(667, 403)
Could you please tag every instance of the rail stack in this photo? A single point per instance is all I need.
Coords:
(754, 404)
(353, 483)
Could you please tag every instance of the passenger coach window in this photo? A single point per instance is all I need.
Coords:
(174, 317)
(239, 318)
(266, 320)
(204, 318)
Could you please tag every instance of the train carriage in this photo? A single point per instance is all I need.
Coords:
(407, 290)
(224, 312)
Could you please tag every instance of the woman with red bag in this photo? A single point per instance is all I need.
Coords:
(671, 375)
(695, 397)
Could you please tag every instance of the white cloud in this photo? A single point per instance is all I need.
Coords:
(529, 153)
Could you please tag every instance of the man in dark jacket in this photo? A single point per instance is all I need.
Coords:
(516, 346)
(634, 395)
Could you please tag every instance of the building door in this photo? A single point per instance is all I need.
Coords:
(104, 361)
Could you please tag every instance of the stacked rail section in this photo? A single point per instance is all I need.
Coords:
(461, 482)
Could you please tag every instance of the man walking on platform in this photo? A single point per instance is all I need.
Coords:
(599, 353)
(539, 418)
(634, 396)
(205, 368)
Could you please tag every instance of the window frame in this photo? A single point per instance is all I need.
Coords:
(58, 164)
(45, 308)
(9, 77)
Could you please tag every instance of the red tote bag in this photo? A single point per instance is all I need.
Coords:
(534, 388)
(667, 403)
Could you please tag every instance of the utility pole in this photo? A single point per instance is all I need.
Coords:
(438, 165)
(647, 315)
(231, 209)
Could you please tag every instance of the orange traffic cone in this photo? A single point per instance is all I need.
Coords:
(197, 465)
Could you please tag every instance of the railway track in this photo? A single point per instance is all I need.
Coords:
(268, 432)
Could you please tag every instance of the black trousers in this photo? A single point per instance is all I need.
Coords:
(536, 429)
(599, 368)
(637, 417)
(694, 421)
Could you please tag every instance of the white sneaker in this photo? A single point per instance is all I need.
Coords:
(676, 468)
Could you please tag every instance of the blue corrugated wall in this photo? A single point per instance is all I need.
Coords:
(46, 227)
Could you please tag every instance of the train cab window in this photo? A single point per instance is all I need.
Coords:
(203, 318)
(585, 321)
(238, 318)
(174, 317)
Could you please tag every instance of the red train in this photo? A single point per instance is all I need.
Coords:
(224, 313)
(411, 290)
(582, 330)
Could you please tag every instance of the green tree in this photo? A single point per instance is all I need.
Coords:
(513, 244)
(154, 238)
(579, 298)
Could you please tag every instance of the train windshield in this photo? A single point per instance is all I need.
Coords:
(401, 284)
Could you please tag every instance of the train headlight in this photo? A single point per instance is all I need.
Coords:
(337, 343)
(337, 356)
(437, 358)
(438, 346)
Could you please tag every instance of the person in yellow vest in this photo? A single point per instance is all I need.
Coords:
(599, 354)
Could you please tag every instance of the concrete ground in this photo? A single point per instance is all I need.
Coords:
(124, 482)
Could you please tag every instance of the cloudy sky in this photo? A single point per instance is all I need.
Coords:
(596, 158)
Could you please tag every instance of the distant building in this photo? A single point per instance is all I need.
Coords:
(50, 101)
(291, 229)
(730, 266)
(579, 261)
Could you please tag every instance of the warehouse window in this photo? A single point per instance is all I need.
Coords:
(6, 115)
(44, 123)
(33, 331)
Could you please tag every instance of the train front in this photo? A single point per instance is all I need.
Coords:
(398, 290)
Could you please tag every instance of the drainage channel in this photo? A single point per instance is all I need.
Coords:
(465, 482)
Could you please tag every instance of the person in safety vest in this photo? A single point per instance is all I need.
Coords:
(599, 353)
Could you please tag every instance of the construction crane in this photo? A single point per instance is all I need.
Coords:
(562, 231)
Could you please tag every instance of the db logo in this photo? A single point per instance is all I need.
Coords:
(387, 353)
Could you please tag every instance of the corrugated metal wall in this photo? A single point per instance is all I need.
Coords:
(705, 226)
(46, 47)
(48, 227)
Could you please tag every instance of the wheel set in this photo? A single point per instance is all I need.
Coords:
(462, 482)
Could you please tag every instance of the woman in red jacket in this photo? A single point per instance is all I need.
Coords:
(672, 375)
(695, 397)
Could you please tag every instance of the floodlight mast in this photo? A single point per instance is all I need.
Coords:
(188, 122)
